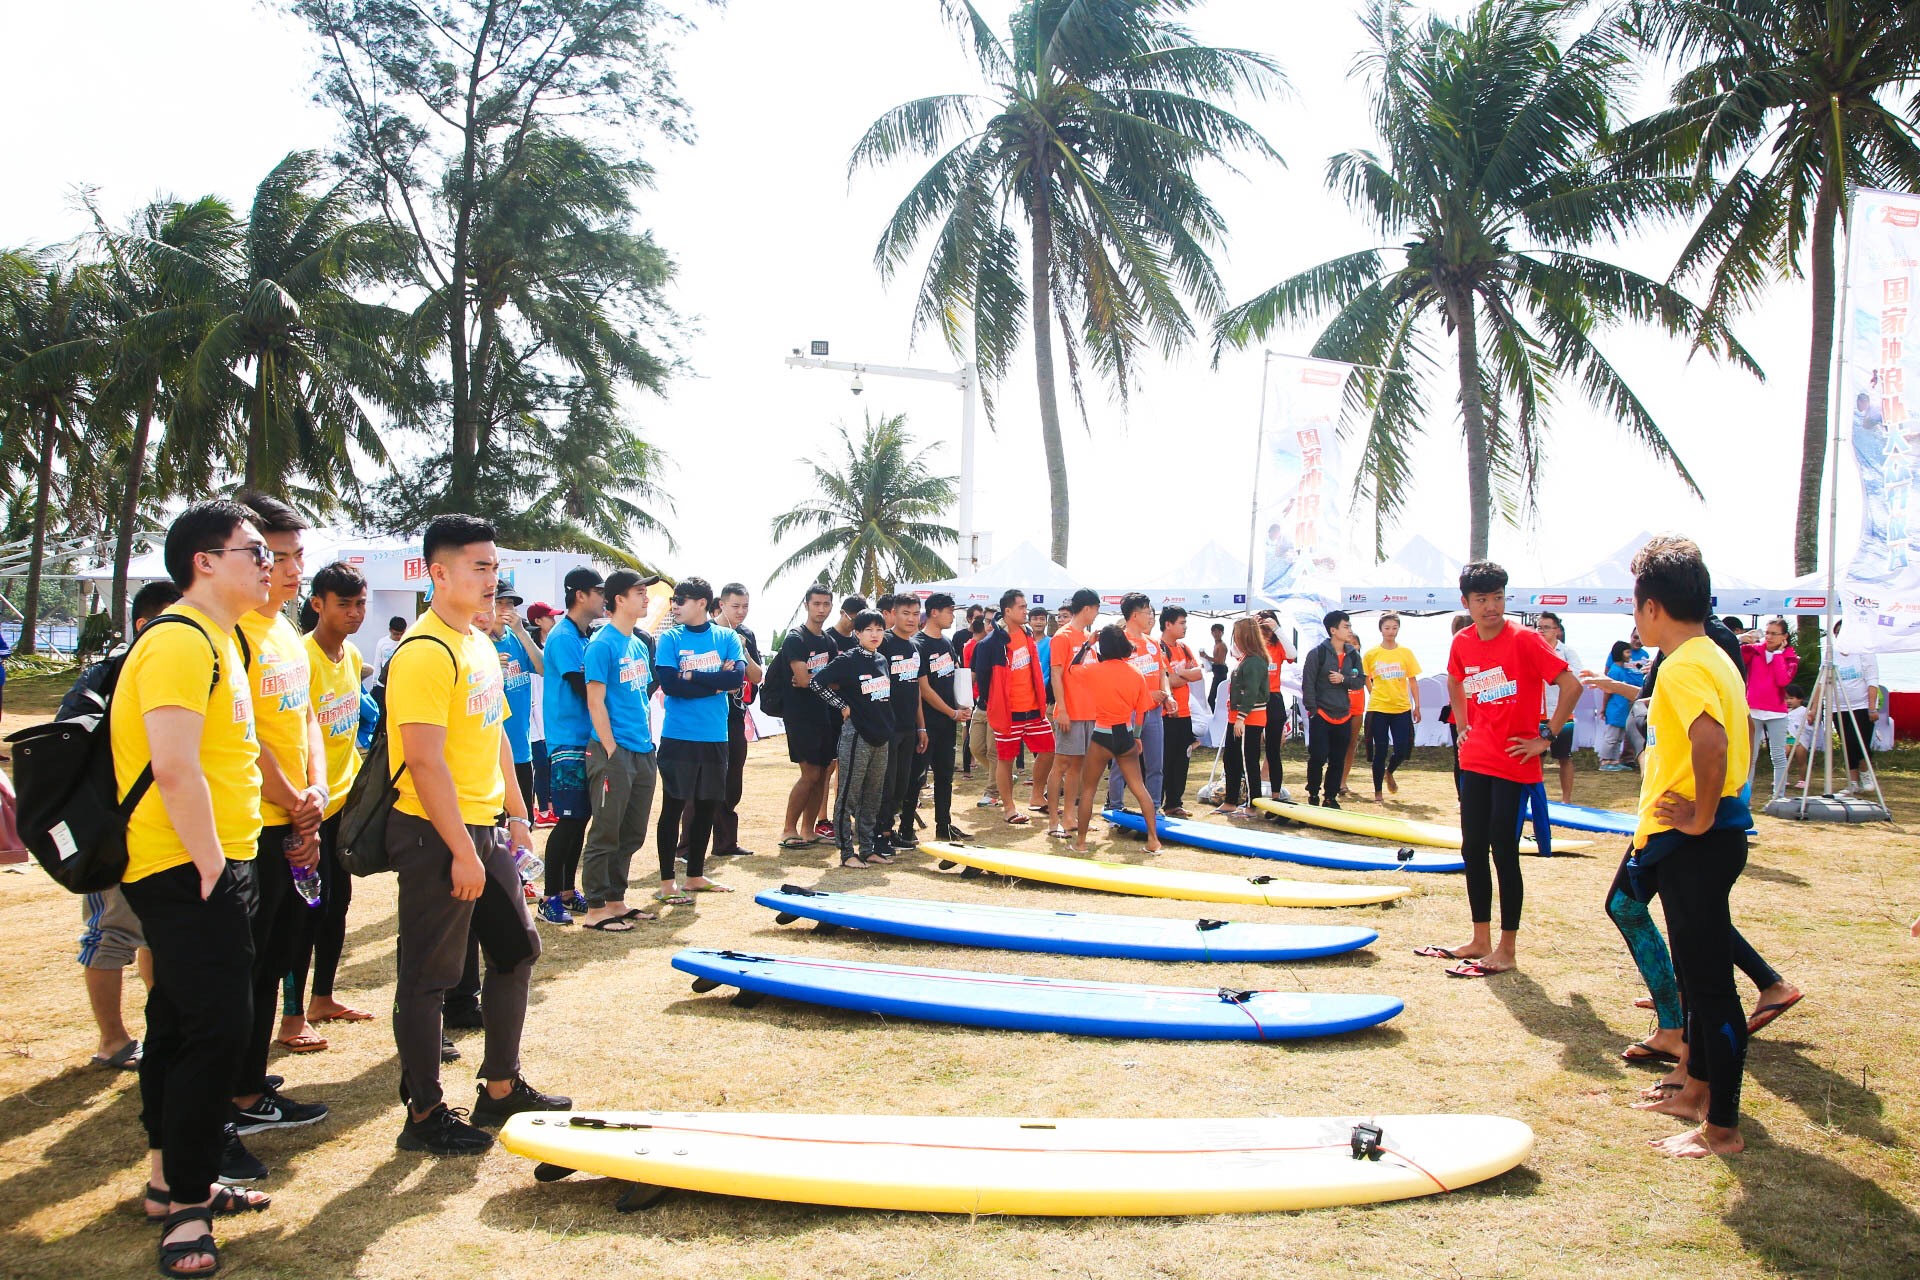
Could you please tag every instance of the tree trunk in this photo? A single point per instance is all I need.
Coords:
(1816, 423)
(130, 512)
(30, 615)
(1473, 414)
(1042, 317)
(256, 426)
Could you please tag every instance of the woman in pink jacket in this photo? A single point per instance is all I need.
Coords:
(1770, 667)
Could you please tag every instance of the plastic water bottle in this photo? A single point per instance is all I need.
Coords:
(528, 864)
(305, 879)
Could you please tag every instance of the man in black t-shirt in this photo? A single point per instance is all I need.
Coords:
(942, 712)
(813, 729)
(902, 613)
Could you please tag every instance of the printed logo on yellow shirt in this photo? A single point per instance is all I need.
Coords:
(242, 701)
(339, 713)
(485, 701)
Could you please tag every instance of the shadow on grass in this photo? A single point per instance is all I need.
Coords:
(1803, 1214)
(49, 1101)
(1585, 1040)
(1755, 871)
(1827, 1098)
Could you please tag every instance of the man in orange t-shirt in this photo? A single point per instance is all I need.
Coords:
(1277, 657)
(1184, 673)
(1072, 712)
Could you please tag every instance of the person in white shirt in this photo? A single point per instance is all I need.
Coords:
(1857, 709)
(1561, 749)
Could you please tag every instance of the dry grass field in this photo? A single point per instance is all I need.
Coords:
(1829, 1184)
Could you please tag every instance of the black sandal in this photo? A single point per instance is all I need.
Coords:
(854, 860)
(226, 1201)
(172, 1254)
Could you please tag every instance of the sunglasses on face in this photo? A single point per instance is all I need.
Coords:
(258, 550)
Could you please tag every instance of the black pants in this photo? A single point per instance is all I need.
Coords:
(324, 932)
(277, 927)
(1243, 765)
(1176, 737)
(1213, 686)
(199, 1015)
(464, 995)
(692, 782)
(1390, 739)
(1327, 745)
(1694, 882)
(1490, 828)
(523, 774)
(896, 802)
(942, 734)
(564, 842)
(1276, 734)
(726, 820)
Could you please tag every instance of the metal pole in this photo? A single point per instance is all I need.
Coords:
(1259, 452)
(969, 390)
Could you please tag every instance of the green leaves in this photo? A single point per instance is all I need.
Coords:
(876, 521)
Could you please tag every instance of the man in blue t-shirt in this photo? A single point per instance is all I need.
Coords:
(564, 707)
(696, 663)
(520, 661)
(621, 770)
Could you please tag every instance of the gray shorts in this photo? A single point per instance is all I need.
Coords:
(1074, 741)
(110, 932)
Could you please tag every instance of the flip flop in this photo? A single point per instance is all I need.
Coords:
(1436, 953)
(1471, 969)
(612, 924)
(307, 1043)
(125, 1058)
(1019, 820)
(1768, 1012)
(794, 842)
(1648, 1056)
(709, 888)
(674, 899)
(345, 1015)
(638, 914)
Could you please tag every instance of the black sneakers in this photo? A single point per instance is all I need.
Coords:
(273, 1111)
(448, 1053)
(443, 1133)
(522, 1097)
(462, 1017)
(954, 835)
(237, 1164)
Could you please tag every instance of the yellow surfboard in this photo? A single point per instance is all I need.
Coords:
(1165, 882)
(1402, 830)
(980, 1165)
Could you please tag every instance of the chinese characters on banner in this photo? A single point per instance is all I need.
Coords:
(1297, 524)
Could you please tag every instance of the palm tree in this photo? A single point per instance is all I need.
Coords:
(51, 309)
(873, 521)
(286, 316)
(1784, 105)
(1487, 190)
(142, 359)
(1101, 111)
(597, 484)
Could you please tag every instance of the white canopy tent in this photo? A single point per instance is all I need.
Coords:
(1025, 568)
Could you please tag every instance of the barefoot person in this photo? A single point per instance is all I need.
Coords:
(1121, 697)
(1690, 844)
(1496, 672)
(696, 664)
(1072, 715)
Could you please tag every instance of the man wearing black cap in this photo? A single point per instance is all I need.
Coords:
(564, 702)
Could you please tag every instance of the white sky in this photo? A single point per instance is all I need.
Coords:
(775, 249)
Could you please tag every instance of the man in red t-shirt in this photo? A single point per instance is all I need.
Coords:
(1497, 674)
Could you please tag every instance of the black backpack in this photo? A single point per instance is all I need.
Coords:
(362, 845)
(775, 685)
(72, 815)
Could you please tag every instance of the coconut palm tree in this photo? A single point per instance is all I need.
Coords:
(50, 309)
(1100, 113)
(873, 523)
(1487, 195)
(290, 354)
(1783, 105)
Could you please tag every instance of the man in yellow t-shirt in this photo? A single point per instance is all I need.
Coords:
(335, 668)
(182, 707)
(445, 711)
(293, 796)
(1690, 844)
(1393, 704)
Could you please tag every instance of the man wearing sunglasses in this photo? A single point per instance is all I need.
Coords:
(696, 664)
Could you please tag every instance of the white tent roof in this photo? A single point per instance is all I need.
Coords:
(1419, 563)
(1213, 580)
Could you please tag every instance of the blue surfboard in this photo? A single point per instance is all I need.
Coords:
(1070, 933)
(1580, 817)
(1015, 1003)
(1283, 847)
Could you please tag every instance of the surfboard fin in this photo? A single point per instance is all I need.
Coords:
(785, 917)
(704, 985)
(798, 892)
(826, 927)
(639, 1196)
(544, 1172)
(744, 999)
